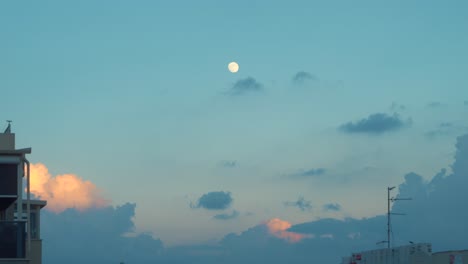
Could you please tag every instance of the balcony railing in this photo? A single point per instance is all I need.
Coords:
(12, 239)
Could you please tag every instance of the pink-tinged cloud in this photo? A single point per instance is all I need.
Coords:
(64, 191)
(278, 227)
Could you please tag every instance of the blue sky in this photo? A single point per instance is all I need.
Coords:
(136, 98)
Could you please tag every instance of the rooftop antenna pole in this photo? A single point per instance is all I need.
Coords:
(388, 215)
(8, 129)
(391, 199)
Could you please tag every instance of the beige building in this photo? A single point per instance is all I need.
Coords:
(20, 240)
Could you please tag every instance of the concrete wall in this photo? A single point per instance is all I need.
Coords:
(36, 251)
(7, 141)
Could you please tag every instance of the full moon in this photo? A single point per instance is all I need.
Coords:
(233, 67)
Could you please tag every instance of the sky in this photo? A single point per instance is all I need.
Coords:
(132, 115)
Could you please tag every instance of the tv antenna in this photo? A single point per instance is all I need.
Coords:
(391, 200)
(8, 129)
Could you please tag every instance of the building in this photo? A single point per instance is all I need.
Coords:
(450, 257)
(411, 254)
(20, 241)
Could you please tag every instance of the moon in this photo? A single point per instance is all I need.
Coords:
(233, 67)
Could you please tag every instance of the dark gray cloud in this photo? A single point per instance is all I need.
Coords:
(97, 232)
(375, 124)
(332, 207)
(228, 163)
(307, 173)
(244, 86)
(230, 216)
(214, 201)
(301, 203)
(302, 77)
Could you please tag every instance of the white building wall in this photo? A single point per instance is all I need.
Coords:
(410, 254)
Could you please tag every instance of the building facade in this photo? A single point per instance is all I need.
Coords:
(410, 254)
(20, 241)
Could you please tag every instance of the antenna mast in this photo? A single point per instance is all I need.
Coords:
(389, 200)
(8, 129)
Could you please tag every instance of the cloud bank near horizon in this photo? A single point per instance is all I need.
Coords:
(96, 235)
(275, 240)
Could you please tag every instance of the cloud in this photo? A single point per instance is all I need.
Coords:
(64, 191)
(395, 107)
(278, 228)
(244, 86)
(445, 129)
(441, 130)
(214, 201)
(307, 173)
(439, 200)
(375, 124)
(102, 233)
(435, 104)
(301, 203)
(269, 242)
(332, 207)
(228, 163)
(329, 236)
(302, 77)
(193, 254)
(233, 215)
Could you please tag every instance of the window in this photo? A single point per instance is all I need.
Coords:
(33, 224)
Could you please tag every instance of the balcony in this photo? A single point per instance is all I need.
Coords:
(12, 240)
